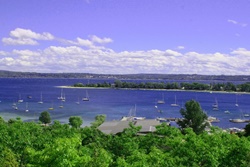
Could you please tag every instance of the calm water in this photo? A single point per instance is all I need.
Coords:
(111, 102)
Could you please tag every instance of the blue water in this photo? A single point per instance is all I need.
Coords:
(111, 102)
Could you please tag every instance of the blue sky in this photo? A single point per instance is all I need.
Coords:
(126, 36)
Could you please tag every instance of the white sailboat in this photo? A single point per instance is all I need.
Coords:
(27, 110)
(41, 99)
(175, 104)
(162, 101)
(78, 102)
(238, 120)
(215, 105)
(20, 100)
(51, 108)
(236, 103)
(14, 106)
(246, 115)
(61, 106)
(86, 98)
(64, 98)
(132, 115)
(61, 97)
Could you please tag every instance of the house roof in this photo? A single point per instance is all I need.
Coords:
(113, 127)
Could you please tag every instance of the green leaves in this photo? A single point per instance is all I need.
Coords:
(75, 121)
(99, 119)
(30, 144)
(45, 117)
(193, 117)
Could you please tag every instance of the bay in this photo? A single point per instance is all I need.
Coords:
(114, 103)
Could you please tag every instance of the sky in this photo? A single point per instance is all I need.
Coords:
(208, 37)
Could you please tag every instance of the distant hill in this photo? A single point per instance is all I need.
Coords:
(13, 74)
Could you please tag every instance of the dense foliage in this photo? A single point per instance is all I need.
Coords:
(60, 145)
(245, 87)
(193, 117)
(45, 117)
(75, 121)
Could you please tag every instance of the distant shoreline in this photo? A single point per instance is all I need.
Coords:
(177, 90)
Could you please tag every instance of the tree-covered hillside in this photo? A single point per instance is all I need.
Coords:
(194, 77)
(59, 145)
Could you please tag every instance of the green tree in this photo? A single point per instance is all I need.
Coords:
(61, 152)
(118, 84)
(75, 121)
(247, 130)
(45, 117)
(99, 119)
(8, 158)
(193, 117)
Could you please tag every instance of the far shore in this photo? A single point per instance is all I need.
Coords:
(206, 91)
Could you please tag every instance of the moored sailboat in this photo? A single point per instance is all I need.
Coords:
(162, 101)
(51, 108)
(61, 106)
(86, 98)
(78, 102)
(41, 99)
(132, 115)
(27, 110)
(236, 103)
(61, 97)
(238, 120)
(20, 100)
(175, 104)
(215, 105)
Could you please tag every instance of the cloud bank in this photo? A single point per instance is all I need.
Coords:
(91, 56)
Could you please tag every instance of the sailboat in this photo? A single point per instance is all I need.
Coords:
(14, 106)
(162, 100)
(78, 102)
(20, 100)
(175, 104)
(132, 115)
(61, 106)
(215, 105)
(64, 98)
(51, 108)
(26, 107)
(86, 98)
(41, 99)
(238, 120)
(236, 103)
(61, 97)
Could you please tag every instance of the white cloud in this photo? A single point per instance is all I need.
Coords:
(21, 36)
(237, 23)
(88, 43)
(77, 59)
(84, 42)
(19, 41)
(28, 53)
(100, 40)
(7, 61)
(84, 55)
(26, 33)
(172, 53)
(3, 53)
(241, 52)
(180, 47)
(232, 21)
